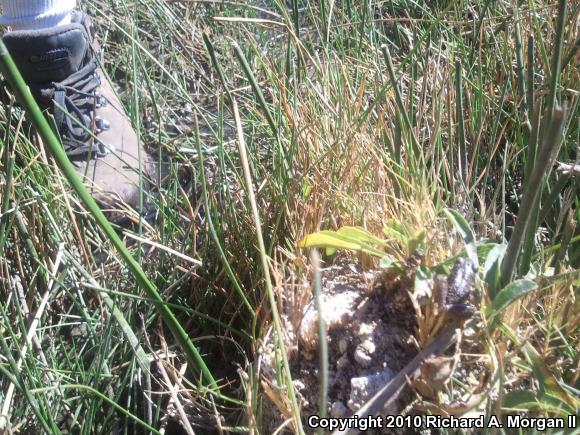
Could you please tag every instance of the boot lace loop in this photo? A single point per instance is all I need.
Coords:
(74, 101)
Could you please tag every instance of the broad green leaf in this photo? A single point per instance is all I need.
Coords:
(528, 400)
(520, 399)
(491, 269)
(422, 287)
(461, 225)
(360, 241)
(558, 403)
(464, 229)
(322, 240)
(361, 235)
(484, 248)
(332, 240)
(508, 295)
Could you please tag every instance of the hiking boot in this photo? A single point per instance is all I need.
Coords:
(61, 68)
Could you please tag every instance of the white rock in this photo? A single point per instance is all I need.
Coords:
(364, 387)
(364, 353)
(337, 310)
(365, 329)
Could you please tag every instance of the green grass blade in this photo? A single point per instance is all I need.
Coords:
(547, 155)
(257, 91)
(266, 269)
(322, 337)
(54, 146)
(556, 65)
(400, 104)
(459, 115)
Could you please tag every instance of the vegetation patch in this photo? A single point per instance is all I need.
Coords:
(428, 150)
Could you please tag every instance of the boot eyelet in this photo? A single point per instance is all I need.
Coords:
(101, 124)
(100, 101)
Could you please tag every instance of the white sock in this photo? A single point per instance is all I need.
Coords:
(35, 14)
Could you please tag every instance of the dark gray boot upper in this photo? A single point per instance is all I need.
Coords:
(58, 66)
(46, 56)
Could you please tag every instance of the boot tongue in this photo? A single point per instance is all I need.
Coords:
(50, 55)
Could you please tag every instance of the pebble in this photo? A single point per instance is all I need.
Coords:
(342, 345)
(342, 362)
(364, 387)
(338, 410)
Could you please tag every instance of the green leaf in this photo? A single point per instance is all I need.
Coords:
(484, 248)
(508, 295)
(306, 189)
(520, 399)
(361, 235)
(491, 269)
(422, 287)
(464, 229)
(461, 225)
(528, 400)
(351, 238)
(323, 240)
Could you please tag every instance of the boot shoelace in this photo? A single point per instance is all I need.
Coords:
(74, 101)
